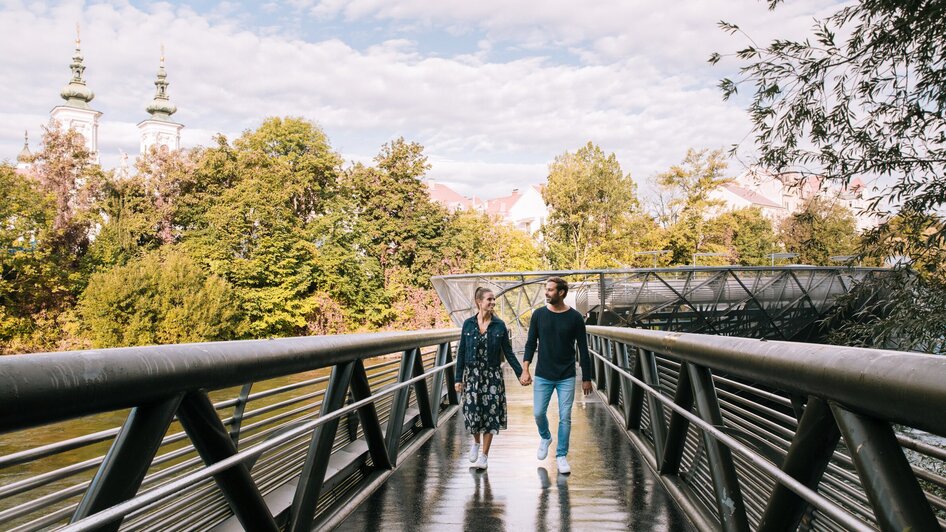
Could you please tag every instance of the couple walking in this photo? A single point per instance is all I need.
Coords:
(555, 328)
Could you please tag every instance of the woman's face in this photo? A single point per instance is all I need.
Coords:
(487, 302)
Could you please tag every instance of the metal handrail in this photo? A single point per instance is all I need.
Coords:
(45, 387)
(160, 381)
(744, 392)
(897, 386)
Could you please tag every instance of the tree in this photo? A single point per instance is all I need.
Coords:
(405, 231)
(819, 231)
(865, 97)
(690, 185)
(483, 244)
(131, 224)
(746, 234)
(589, 198)
(161, 298)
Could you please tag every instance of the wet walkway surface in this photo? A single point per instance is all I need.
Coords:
(610, 488)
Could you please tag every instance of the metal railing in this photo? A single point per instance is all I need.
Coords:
(767, 435)
(301, 430)
(777, 303)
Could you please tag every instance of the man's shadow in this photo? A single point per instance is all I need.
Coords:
(564, 502)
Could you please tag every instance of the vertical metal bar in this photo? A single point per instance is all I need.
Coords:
(732, 510)
(128, 459)
(601, 375)
(448, 375)
(627, 387)
(238, 410)
(658, 424)
(422, 394)
(808, 457)
(601, 298)
(213, 443)
(436, 393)
(320, 451)
(679, 425)
(637, 399)
(399, 407)
(368, 414)
(614, 383)
(894, 493)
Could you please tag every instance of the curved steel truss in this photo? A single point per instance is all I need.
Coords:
(783, 303)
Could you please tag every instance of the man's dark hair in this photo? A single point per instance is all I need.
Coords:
(560, 284)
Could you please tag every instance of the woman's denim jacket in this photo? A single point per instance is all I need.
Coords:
(497, 339)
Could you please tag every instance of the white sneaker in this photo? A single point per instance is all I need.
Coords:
(543, 448)
(481, 462)
(474, 452)
(563, 466)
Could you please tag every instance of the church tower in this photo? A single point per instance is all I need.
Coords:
(160, 130)
(76, 114)
(25, 159)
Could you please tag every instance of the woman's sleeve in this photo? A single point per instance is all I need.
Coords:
(506, 346)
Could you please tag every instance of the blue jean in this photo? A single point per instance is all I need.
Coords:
(541, 395)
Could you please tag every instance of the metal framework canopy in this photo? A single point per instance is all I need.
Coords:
(782, 303)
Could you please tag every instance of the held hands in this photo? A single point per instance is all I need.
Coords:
(458, 387)
(525, 379)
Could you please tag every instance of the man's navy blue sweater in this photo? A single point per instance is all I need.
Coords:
(556, 334)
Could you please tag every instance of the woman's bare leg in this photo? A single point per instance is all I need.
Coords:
(487, 440)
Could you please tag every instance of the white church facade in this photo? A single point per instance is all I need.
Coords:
(76, 114)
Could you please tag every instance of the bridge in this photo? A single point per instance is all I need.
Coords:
(687, 430)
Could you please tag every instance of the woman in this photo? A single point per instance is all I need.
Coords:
(484, 339)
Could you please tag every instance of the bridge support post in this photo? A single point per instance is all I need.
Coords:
(732, 510)
(452, 397)
(213, 443)
(128, 459)
(423, 394)
(436, 393)
(808, 456)
(614, 383)
(893, 491)
(648, 364)
(636, 393)
(392, 436)
(320, 451)
(238, 410)
(677, 433)
(368, 415)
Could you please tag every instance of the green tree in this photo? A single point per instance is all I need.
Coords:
(747, 235)
(820, 230)
(161, 298)
(130, 224)
(480, 243)
(865, 96)
(405, 231)
(690, 205)
(589, 199)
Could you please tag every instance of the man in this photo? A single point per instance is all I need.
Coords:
(556, 328)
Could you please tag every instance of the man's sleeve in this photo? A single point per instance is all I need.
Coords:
(584, 359)
(533, 339)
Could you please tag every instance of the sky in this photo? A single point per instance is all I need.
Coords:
(494, 89)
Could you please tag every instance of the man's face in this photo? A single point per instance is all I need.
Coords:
(553, 295)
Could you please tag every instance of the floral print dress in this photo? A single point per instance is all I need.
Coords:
(484, 394)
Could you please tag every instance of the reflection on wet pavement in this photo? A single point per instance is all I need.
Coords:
(610, 488)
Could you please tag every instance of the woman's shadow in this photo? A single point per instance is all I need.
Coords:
(482, 513)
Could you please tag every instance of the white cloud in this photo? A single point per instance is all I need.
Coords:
(483, 121)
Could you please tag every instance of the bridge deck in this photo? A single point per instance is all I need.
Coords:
(610, 487)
